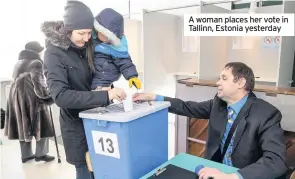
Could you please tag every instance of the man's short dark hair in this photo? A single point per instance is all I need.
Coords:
(241, 70)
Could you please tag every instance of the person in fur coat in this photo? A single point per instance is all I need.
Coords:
(27, 110)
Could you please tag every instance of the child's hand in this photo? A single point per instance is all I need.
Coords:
(135, 81)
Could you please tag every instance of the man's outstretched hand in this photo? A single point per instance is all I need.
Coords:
(144, 97)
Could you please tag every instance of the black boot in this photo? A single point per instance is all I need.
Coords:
(24, 160)
(45, 158)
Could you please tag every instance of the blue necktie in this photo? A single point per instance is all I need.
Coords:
(230, 120)
(230, 115)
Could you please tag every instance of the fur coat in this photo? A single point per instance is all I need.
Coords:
(27, 109)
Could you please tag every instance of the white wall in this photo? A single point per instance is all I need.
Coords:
(136, 5)
(213, 50)
(118, 5)
(160, 59)
(4, 93)
(22, 21)
(187, 62)
(258, 56)
(188, 48)
(160, 50)
(133, 32)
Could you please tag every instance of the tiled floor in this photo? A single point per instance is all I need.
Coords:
(11, 166)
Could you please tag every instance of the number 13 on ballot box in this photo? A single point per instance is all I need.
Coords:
(106, 144)
(127, 145)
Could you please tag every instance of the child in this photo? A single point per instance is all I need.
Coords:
(111, 57)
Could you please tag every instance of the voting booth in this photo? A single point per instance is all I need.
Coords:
(126, 145)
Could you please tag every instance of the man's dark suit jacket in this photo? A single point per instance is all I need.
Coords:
(259, 150)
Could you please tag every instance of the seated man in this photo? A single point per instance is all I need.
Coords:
(255, 143)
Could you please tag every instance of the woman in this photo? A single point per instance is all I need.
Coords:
(68, 67)
(27, 111)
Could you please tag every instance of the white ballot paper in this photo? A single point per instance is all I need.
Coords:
(128, 103)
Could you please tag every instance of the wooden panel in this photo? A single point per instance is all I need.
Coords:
(290, 145)
(258, 88)
(197, 149)
(197, 130)
(197, 127)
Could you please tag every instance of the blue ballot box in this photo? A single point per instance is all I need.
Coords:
(126, 145)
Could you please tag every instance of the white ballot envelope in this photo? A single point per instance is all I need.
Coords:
(128, 103)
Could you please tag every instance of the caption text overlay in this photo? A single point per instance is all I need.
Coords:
(238, 25)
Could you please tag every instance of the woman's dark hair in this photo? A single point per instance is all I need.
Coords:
(89, 51)
(89, 54)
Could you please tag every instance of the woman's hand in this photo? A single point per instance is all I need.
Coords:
(117, 93)
(144, 97)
